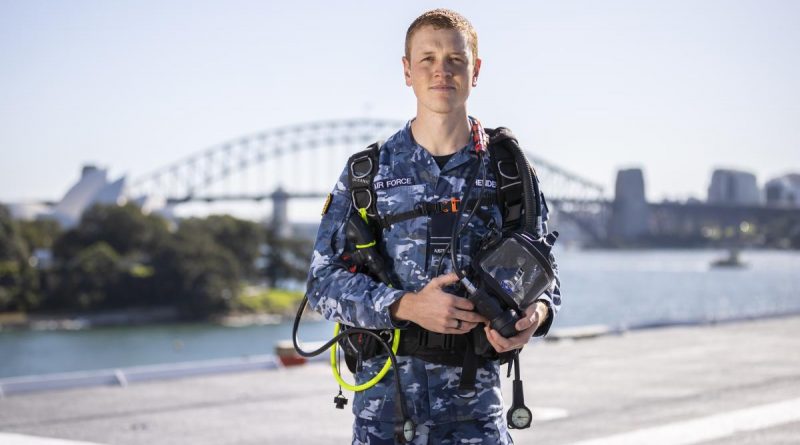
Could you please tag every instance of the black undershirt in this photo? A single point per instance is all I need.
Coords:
(442, 160)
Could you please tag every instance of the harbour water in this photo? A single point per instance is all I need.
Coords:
(621, 289)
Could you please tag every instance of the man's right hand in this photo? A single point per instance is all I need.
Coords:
(436, 310)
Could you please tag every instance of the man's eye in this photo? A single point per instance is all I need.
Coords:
(427, 59)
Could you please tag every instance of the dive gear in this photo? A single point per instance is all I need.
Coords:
(378, 377)
(365, 255)
(495, 278)
(340, 400)
(514, 268)
(518, 415)
(405, 423)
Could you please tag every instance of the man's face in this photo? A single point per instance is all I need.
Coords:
(440, 68)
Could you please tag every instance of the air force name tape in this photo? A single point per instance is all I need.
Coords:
(397, 182)
(389, 183)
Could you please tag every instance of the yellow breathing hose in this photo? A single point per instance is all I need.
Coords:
(378, 376)
(395, 340)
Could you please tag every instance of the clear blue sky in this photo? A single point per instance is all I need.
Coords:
(676, 87)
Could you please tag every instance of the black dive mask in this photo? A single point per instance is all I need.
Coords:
(512, 273)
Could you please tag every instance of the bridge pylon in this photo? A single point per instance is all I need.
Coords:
(280, 213)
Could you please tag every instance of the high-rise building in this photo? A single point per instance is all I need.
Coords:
(630, 213)
(784, 191)
(733, 187)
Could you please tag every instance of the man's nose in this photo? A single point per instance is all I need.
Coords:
(442, 69)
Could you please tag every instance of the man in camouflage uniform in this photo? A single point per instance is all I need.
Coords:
(430, 160)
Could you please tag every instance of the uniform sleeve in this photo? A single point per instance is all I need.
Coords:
(353, 299)
(550, 297)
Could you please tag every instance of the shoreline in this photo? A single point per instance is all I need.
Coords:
(122, 376)
(76, 321)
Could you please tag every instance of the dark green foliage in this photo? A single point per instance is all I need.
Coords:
(39, 234)
(285, 258)
(117, 257)
(195, 274)
(125, 228)
(103, 263)
(18, 280)
(241, 238)
(90, 280)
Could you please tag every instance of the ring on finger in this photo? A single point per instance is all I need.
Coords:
(458, 324)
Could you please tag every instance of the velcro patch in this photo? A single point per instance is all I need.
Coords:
(327, 203)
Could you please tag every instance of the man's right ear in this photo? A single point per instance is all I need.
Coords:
(407, 71)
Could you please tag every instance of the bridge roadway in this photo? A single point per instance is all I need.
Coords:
(736, 383)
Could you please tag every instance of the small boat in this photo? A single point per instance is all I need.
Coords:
(732, 260)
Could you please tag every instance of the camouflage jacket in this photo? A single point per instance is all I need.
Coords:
(408, 175)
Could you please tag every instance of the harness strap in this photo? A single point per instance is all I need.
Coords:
(432, 208)
(362, 168)
(444, 349)
(509, 181)
(469, 371)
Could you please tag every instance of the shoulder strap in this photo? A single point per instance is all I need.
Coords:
(361, 170)
(509, 184)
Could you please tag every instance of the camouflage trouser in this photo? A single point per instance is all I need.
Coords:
(487, 431)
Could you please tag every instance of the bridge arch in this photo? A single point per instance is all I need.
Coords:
(320, 148)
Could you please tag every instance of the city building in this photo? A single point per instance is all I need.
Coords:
(784, 191)
(733, 187)
(630, 213)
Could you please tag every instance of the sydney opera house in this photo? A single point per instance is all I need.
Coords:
(93, 187)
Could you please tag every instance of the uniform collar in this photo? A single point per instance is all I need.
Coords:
(408, 144)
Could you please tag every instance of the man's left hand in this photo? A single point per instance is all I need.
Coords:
(535, 314)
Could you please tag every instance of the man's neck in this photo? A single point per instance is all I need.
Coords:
(441, 134)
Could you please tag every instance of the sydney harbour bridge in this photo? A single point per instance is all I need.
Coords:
(300, 163)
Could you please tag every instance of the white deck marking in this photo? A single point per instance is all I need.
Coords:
(707, 428)
(21, 439)
(543, 414)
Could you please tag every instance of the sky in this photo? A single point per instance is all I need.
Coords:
(677, 88)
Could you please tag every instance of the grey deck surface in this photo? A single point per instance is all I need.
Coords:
(606, 386)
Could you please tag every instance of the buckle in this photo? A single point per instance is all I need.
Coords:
(357, 164)
(422, 338)
(438, 341)
(450, 206)
(356, 193)
(387, 335)
(454, 204)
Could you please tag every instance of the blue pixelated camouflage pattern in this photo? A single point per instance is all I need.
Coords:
(407, 175)
(485, 431)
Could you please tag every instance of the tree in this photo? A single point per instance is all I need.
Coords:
(196, 274)
(40, 233)
(19, 282)
(285, 258)
(104, 262)
(241, 238)
(125, 228)
(89, 280)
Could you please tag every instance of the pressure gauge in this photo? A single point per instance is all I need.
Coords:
(519, 417)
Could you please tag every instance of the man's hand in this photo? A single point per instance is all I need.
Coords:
(535, 315)
(436, 310)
